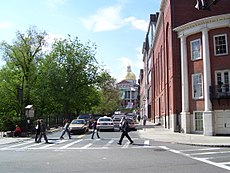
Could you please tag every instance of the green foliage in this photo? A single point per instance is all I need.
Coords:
(109, 94)
(67, 80)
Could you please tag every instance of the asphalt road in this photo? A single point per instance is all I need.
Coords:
(84, 155)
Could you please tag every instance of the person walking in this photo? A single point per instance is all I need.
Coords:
(144, 120)
(139, 118)
(43, 131)
(65, 129)
(38, 130)
(95, 129)
(125, 131)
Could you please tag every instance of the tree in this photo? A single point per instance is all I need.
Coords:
(67, 80)
(72, 72)
(22, 56)
(109, 94)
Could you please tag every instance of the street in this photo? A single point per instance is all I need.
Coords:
(82, 154)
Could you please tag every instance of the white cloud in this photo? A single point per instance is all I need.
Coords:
(135, 64)
(105, 19)
(138, 24)
(53, 4)
(6, 25)
(110, 18)
(139, 62)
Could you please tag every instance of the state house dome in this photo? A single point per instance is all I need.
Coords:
(130, 75)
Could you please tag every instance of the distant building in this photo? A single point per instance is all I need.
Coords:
(186, 77)
(128, 91)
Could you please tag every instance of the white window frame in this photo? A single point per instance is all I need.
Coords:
(222, 80)
(193, 94)
(214, 41)
(192, 50)
(195, 122)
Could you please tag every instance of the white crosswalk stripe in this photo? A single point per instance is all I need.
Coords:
(77, 144)
(70, 144)
(210, 156)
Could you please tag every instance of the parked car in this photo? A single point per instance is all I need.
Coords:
(78, 126)
(105, 123)
(87, 118)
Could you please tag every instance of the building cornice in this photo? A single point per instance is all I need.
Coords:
(163, 4)
(159, 23)
(198, 25)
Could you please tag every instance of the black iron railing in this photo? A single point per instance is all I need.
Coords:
(220, 91)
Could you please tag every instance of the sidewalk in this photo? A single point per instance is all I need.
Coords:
(159, 133)
(10, 140)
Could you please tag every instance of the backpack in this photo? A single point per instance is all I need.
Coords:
(125, 126)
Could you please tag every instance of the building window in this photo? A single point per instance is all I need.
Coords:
(222, 83)
(197, 91)
(220, 45)
(195, 49)
(198, 117)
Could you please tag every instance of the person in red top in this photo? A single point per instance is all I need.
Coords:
(17, 131)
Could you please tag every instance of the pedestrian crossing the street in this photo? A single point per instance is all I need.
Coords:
(77, 144)
(219, 157)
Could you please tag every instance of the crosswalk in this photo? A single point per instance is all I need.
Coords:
(219, 157)
(77, 144)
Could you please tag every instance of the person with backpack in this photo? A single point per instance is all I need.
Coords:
(125, 131)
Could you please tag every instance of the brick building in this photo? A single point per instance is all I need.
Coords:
(187, 67)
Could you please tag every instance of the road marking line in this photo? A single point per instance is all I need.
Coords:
(72, 143)
(80, 136)
(207, 153)
(13, 146)
(37, 144)
(87, 146)
(204, 160)
(220, 165)
(126, 145)
(108, 144)
(146, 143)
(200, 149)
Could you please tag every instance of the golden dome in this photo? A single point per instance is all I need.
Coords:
(130, 75)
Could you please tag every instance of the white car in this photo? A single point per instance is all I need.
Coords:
(105, 123)
(117, 120)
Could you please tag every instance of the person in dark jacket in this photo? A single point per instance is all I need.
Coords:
(38, 130)
(43, 131)
(125, 131)
(95, 129)
(65, 129)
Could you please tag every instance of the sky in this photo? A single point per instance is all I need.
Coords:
(117, 27)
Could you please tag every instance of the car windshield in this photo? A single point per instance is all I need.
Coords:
(105, 119)
(78, 122)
